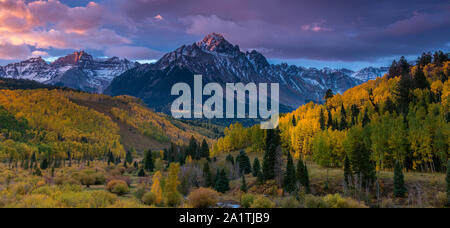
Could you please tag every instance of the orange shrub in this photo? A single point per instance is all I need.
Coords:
(203, 198)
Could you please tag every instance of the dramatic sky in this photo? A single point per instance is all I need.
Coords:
(345, 33)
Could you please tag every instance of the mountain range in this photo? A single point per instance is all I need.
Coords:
(78, 71)
(213, 57)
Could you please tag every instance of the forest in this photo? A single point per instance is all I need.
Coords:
(383, 144)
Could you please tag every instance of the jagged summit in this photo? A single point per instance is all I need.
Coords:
(216, 42)
(78, 57)
(78, 70)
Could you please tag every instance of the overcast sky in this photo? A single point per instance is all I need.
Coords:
(317, 33)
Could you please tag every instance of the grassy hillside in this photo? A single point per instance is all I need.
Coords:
(60, 124)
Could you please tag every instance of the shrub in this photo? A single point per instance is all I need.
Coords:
(102, 199)
(387, 203)
(289, 202)
(247, 200)
(337, 201)
(203, 198)
(149, 198)
(441, 200)
(262, 202)
(139, 193)
(118, 187)
(173, 199)
(315, 202)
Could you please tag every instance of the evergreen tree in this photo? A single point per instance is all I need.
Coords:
(425, 59)
(124, 163)
(256, 167)
(360, 156)
(305, 180)
(44, 164)
(294, 121)
(329, 94)
(419, 79)
(448, 183)
(389, 106)
(244, 163)
(348, 174)
(355, 113)
(129, 157)
(135, 164)
(111, 158)
(399, 182)
(192, 149)
(149, 164)
(222, 184)
(290, 179)
(204, 150)
(230, 159)
(141, 172)
(330, 120)
(366, 119)
(272, 139)
(260, 179)
(322, 120)
(207, 175)
(302, 175)
(244, 184)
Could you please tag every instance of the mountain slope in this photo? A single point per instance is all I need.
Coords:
(78, 71)
(219, 61)
(85, 124)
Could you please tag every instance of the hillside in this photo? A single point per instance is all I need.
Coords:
(57, 123)
(403, 116)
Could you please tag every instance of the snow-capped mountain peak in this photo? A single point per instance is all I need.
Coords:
(215, 42)
(78, 70)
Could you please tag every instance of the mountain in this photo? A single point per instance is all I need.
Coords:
(78, 71)
(370, 73)
(222, 62)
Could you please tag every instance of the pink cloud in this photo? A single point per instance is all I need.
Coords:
(10, 52)
(52, 24)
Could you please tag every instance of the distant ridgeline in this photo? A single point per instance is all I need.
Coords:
(403, 116)
(40, 122)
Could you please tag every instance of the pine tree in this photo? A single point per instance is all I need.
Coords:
(294, 121)
(365, 119)
(135, 164)
(244, 184)
(256, 167)
(448, 183)
(290, 179)
(222, 184)
(322, 120)
(129, 157)
(399, 182)
(141, 172)
(244, 163)
(330, 120)
(348, 174)
(205, 150)
(44, 164)
(302, 175)
(272, 142)
(305, 180)
(148, 161)
(207, 175)
(260, 179)
(329, 94)
(419, 79)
